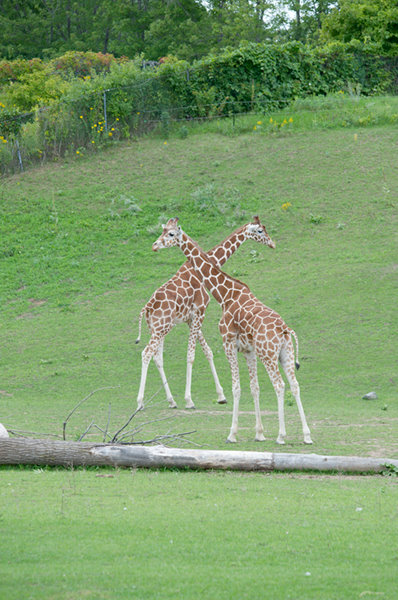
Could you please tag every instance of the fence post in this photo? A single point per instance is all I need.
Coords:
(105, 114)
(19, 154)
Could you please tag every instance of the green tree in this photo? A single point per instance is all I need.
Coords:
(364, 20)
(302, 19)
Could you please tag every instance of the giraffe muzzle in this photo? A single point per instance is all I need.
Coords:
(272, 244)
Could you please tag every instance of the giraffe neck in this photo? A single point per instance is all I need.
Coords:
(219, 284)
(221, 253)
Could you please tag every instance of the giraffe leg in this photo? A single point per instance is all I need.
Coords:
(232, 356)
(158, 359)
(209, 355)
(146, 355)
(251, 360)
(194, 327)
(149, 351)
(287, 362)
(279, 387)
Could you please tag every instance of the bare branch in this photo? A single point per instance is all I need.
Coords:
(107, 425)
(137, 410)
(81, 402)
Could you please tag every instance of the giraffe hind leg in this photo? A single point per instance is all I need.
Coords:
(287, 361)
(251, 361)
(158, 360)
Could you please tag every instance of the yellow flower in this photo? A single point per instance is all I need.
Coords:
(117, 118)
(81, 116)
(355, 137)
(290, 120)
(271, 120)
(113, 129)
(259, 122)
(255, 127)
(165, 143)
(286, 205)
(110, 134)
(91, 108)
(77, 152)
(138, 113)
(92, 141)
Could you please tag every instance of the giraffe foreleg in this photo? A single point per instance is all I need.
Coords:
(194, 328)
(209, 355)
(251, 361)
(232, 356)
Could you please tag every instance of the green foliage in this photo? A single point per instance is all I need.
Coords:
(367, 21)
(92, 99)
(83, 64)
(12, 70)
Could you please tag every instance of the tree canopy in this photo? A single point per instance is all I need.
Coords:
(188, 29)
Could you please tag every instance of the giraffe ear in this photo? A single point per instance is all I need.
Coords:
(163, 226)
(256, 219)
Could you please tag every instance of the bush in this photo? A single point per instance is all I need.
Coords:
(76, 86)
(83, 64)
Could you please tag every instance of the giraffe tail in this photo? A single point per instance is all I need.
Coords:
(139, 324)
(294, 335)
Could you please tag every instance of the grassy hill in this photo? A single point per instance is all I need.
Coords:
(77, 266)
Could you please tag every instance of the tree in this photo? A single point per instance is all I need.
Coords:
(303, 18)
(364, 20)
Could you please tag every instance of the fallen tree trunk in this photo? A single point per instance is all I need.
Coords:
(47, 452)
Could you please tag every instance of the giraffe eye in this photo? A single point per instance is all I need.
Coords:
(171, 234)
(260, 231)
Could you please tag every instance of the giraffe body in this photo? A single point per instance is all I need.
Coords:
(246, 325)
(183, 299)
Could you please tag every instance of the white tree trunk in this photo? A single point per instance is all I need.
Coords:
(47, 452)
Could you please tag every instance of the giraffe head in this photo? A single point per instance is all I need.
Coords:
(257, 232)
(170, 236)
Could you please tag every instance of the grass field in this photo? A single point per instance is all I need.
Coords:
(77, 266)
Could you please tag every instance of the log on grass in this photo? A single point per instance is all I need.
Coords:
(47, 452)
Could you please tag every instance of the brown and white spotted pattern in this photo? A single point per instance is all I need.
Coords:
(248, 326)
(183, 299)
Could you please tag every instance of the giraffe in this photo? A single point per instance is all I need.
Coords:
(183, 298)
(248, 326)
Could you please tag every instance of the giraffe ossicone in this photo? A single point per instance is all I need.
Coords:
(246, 325)
(183, 298)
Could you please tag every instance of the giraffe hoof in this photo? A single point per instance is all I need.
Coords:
(190, 407)
(222, 401)
(231, 440)
(259, 438)
(308, 440)
(280, 441)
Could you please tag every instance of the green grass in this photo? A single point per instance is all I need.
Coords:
(77, 266)
(107, 534)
